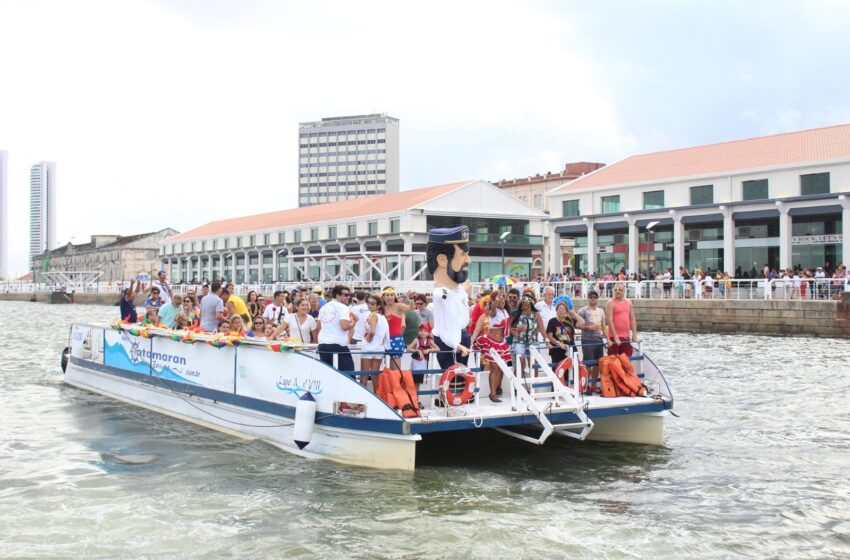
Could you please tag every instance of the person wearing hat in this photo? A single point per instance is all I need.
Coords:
(592, 332)
(163, 286)
(317, 289)
(447, 258)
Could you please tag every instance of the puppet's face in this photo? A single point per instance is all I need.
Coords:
(458, 267)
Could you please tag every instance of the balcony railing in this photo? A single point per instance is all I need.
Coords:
(511, 240)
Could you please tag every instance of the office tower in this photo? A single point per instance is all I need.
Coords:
(42, 207)
(4, 216)
(341, 158)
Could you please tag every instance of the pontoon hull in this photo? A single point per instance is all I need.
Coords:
(647, 428)
(351, 447)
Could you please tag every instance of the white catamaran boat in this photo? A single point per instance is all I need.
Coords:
(283, 394)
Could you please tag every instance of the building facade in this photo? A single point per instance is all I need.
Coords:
(118, 258)
(378, 238)
(779, 201)
(342, 158)
(42, 207)
(4, 217)
(532, 190)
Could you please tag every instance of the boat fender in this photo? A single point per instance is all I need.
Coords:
(449, 383)
(562, 372)
(66, 353)
(305, 419)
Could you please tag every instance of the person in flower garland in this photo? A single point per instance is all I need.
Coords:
(447, 259)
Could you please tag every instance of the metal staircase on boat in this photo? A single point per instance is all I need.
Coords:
(559, 398)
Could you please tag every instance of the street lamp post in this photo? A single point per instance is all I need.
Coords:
(502, 240)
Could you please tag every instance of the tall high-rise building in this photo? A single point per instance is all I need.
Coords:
(4, 216)
(42, 207)
(340, 158)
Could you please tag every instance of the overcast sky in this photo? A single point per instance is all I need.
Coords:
(177, 113)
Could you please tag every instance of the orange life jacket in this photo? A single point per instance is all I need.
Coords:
(397, 389)
(629, 383)
(606, 377)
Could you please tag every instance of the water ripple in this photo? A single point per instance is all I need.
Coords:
(755, 467)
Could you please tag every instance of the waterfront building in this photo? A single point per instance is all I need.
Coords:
(116, 257)
(42, 207)
(342, 158)
(532, 190)
(379, 238)
(4, 216)
(779, 200)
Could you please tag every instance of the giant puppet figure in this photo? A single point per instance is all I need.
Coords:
(447, 256)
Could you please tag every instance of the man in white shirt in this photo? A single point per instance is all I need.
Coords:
(447, 258)
(276, 311)
(360, 311)
(546, 308)
(336, 320)
(163, 285)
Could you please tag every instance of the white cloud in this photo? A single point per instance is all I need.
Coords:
(180, 112)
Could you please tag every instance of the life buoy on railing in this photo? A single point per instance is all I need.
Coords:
(449, 384)
(562, 372)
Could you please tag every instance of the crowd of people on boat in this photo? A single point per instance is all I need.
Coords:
(388, 324)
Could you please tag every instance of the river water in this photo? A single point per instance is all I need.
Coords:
(756, 466)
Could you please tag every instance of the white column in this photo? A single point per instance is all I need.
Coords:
(407, 267)
(275, 276)
(556, 264)
(785, 254)
(728, 241)
(591, 247)
(678, 243)
(260, 266)
(290, 273)
(633, 246)
(220, 266)
(845, 229)
(245, 265)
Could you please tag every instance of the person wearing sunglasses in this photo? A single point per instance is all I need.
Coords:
(258, 328)
(189, 312)
(335, 322)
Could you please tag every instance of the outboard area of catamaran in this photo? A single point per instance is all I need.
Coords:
(282, 393)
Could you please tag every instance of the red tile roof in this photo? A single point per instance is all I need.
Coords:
(754, 153)
(345, 210)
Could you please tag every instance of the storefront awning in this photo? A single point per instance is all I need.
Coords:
(611, 226)
(816, 210)
(755, 215)
(703, 219)
(661, 222)
(579, 228)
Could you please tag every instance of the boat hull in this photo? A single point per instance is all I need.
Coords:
(351, 447)
(646, 428)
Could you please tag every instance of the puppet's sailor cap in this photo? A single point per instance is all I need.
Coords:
(450, 236)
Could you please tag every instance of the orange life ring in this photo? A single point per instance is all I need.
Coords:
(565, 366)
(447, 382)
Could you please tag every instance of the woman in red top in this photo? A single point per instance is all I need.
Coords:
(394, 312)
(494, 325)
